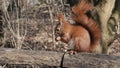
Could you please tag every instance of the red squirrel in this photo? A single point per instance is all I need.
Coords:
(73, 33)
(85, 34)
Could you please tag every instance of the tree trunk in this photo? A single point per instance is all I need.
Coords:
(105, 11)
(50, 58)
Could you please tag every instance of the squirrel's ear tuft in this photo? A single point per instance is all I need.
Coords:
(61, 18)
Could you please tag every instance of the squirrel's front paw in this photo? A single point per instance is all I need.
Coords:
(72, 52)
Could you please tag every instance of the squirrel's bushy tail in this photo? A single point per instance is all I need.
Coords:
(80, 17)
(82, 7)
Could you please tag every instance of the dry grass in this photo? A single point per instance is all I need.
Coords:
(31, 26)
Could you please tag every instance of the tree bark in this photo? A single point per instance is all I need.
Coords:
(104, 12)
(50, 58)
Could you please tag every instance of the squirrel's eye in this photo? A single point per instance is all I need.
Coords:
(57, 29)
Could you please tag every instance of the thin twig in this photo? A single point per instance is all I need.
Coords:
(52, 22)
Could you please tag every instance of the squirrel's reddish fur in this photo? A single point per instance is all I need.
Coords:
(78, 34)
(80, 17)
(85, 34)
